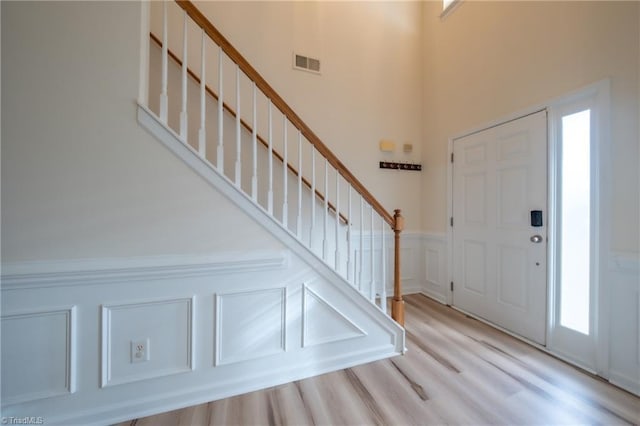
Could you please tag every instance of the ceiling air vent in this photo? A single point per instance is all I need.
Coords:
(304, 63)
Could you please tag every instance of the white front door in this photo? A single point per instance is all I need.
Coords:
(499, 251)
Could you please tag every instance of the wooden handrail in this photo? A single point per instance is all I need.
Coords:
(279, 103)
(248, 128)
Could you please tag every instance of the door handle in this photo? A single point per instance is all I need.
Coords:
(536, 238)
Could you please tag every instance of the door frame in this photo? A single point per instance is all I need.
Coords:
(600, 90)
(597, 96)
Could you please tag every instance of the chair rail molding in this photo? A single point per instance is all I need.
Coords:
(54, 273)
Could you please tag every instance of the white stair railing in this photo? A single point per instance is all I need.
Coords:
(357, 242)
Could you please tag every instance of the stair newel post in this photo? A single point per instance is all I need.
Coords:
(397, 305)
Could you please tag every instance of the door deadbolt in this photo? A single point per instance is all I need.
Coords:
(536, 238)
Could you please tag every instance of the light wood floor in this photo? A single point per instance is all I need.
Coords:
(457, 371)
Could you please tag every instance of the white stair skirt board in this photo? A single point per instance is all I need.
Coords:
(210, 326)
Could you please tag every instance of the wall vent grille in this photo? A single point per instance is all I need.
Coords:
(305, 63)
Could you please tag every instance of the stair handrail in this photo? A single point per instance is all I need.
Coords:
(395, 221)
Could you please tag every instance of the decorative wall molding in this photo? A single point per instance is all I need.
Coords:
(424, 262)
(623, 282)
(118, 368)
(434, 262)
(31, 376)
(333, 318)
(110, 271)
(260, 313)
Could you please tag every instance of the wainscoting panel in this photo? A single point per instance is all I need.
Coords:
(323, 322)
(209, 329)
(624, 355)
(435, 267)
(165, 326)
(38, 354)
(423, 264)
(250, 325)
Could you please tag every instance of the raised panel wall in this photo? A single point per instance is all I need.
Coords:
(38, 354)
(214, 329)
(250, 325)
(167, 327)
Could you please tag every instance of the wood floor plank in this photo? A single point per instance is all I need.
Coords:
(394, 395)
(457, 371)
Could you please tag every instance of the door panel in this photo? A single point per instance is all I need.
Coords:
(474, 267)
(499, 176)
(512, 279)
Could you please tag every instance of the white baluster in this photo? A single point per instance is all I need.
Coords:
(299, 219)
(383, 279)
(337, 260)
(164, 99)
(220, 151)
(270, 192)
(313, 195)
(238, 131)
(350, 274)
(254, 143)
(202, 134)
(372, 284)
(361, 254)
(325, 247)
(285, 175)
(184, 123)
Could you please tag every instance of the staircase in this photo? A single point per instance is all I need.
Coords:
(296, 284)
(245, 132)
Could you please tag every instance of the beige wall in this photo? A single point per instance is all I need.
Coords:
(80, 177)
(487, 60)
(370, 84)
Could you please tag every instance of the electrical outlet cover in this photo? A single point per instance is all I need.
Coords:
(139, 350)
